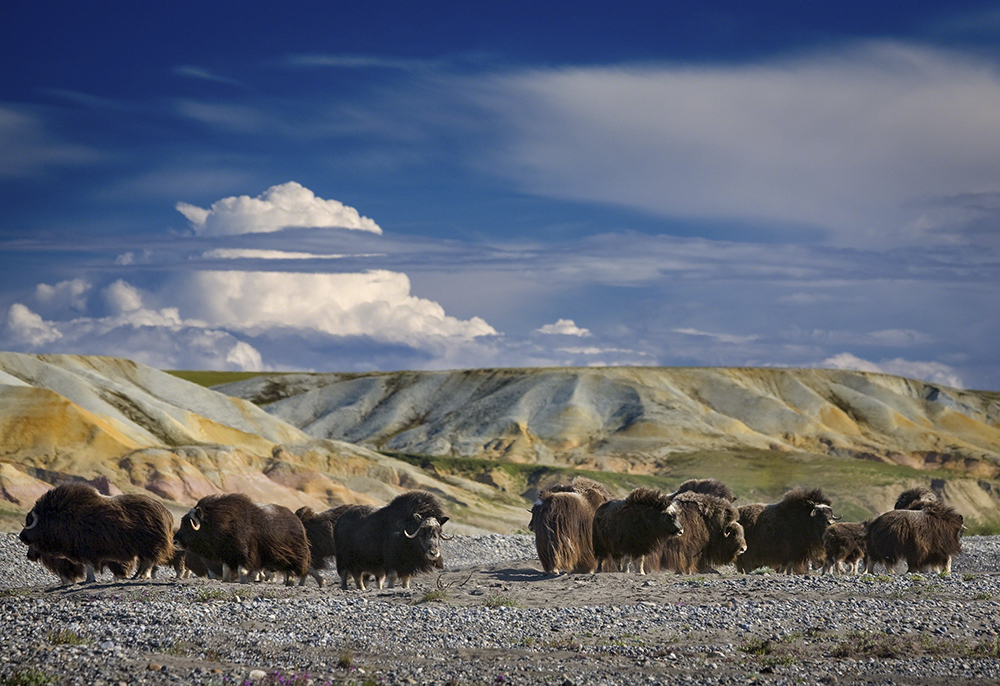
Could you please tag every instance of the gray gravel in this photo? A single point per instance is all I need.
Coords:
(494, 618)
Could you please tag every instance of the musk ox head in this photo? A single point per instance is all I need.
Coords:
(734, 540)
(424, 534)
(190, 525)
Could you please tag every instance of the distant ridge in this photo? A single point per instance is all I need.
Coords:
(545, 415)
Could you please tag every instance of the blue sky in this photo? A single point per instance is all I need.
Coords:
(360, 186)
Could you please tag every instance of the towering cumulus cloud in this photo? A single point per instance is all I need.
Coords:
(279, 207)
(376, 304)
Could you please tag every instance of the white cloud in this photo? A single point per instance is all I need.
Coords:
(855, 142)
(564, 327)
(24, 326)
(279, 207)
(935, 372)
(376, 304)
(244, 356)
(719, 337)
(255, 254)
(67, 295)
(122, 297)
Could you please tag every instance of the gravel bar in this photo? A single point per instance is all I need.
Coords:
(492, 617)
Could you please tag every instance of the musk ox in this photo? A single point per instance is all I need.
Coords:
(915, 498)
(844, 546)
(71, 571)
(786, 535)
(562, 520)
(634, 526)
(75, 522)
(186, 563)
(245, 537)
(706, 486)
(711, 536)
(319, 533)
(927, 539)
(400, 540)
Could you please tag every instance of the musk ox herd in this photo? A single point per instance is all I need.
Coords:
(579, 527)
(74, 531)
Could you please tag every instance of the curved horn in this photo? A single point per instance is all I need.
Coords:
(415, 531)
(445, 537)
(195, 521)
(31, 521)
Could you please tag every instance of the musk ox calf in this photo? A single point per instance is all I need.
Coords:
(927, 539)
(844, 546)
(634, 526)
(71, 571)
(786, 535)
(186, 563)
(400, 540)
(915, 498)
(562, 520)
(708, 487)
(319, 533)
(245, 537)
(711, 536)
(75, 522)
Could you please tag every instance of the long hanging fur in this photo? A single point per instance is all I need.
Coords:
(787, 535)
(634, 526)
(712, 536)
(76, 522)
(844, 544)
(319, 533)
(399, 540)
(230, 528)
(927, 539)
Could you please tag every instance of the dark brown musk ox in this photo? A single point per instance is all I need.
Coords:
(245, 537)
(787, 535)
(708, 487)
(76, 522)
(319, 533)
(562, 520)
(186, 564)
(71, 571)
(399, 540)
(711, 536)
(927, 539)
(844, 546)
(634, 526)
(915, 498)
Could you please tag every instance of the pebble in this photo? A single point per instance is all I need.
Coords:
(729, 629)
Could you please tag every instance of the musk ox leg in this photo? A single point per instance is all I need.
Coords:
(91, 576)
(343, 581)
(144, 570)
(314, 573)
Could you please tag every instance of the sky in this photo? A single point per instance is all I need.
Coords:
(361, 186)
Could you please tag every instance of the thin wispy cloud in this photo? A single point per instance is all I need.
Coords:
(194, 72)
(843, 142)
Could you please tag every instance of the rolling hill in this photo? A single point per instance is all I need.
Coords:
(486, 440)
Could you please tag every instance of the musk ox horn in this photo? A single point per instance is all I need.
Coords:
(415, 531)
(446, 538)
(195, 522)
(31, 521)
